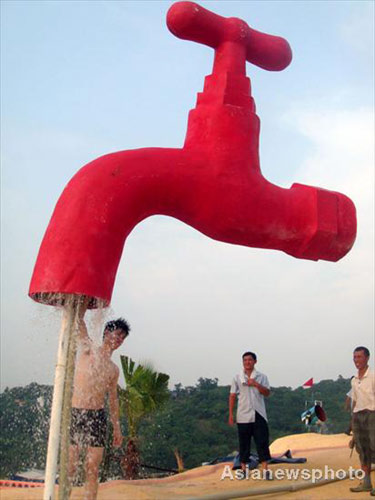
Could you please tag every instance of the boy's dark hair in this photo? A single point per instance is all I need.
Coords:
(249, 353)
(117, 324)
(364, 349)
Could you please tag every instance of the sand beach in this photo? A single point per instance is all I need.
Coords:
(323, 452)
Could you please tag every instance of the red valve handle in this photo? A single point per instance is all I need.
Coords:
(190, 21)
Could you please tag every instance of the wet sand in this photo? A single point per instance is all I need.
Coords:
(320, 450)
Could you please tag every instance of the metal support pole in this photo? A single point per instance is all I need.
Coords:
(67, 327)
(64, 483)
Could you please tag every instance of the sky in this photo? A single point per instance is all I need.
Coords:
(84, 78)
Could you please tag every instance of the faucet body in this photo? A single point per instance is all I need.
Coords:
(213, 183)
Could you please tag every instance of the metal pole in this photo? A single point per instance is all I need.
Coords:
(64, 483)
(57, 402)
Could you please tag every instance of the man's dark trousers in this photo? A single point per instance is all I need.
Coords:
(258, 430)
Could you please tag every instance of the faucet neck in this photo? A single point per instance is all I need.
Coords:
(228, 83)
(230, 56)
(227, 88)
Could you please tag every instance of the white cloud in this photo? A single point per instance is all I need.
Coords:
(342, 159)
(341, 156)
(345, 136)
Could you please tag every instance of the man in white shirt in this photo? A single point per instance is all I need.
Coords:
(363, 396)
(251, 387)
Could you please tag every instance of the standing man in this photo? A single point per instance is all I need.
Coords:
(96, 376)
(251, 387)
(363, 422)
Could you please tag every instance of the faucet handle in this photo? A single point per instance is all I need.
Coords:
(190, 21)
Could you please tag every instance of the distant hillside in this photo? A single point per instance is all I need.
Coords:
(194, 422)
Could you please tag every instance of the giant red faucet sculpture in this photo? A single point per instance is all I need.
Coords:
(213, 183)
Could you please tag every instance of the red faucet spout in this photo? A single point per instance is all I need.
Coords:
(224, 198)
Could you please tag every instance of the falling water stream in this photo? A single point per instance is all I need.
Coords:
(59, 434)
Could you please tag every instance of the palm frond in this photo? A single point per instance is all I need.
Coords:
(146, 391)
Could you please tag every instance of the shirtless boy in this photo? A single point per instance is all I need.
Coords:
(96, 376)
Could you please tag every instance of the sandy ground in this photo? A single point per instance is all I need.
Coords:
(320, 450)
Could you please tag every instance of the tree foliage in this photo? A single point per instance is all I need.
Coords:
(146, 391)
(193, 420)
(24, 425)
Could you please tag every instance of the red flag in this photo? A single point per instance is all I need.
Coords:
(308, 384)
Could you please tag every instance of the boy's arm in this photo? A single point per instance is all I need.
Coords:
(234, 389)
(83, 335)
(354, 394)
(232, 400)
(263, 386)
(264, 390)
(114, 410)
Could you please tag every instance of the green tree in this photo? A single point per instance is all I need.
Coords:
(146, 392)
(24, 422)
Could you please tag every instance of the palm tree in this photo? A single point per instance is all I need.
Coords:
(146, 391)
